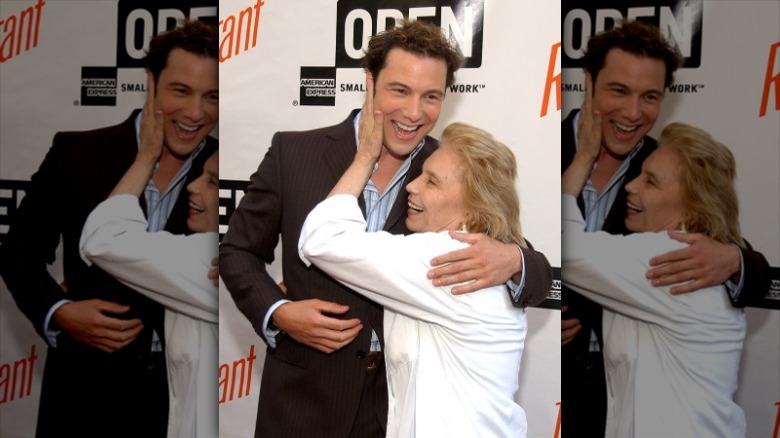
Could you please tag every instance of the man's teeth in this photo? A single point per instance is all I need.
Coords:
(415, 208)
(197, 208)
(185, 127)
(626, 127)
(402, 127)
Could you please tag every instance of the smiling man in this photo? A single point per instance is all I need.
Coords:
(324, 374)
(105, 368)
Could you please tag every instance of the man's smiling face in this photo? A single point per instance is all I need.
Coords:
(409, 91)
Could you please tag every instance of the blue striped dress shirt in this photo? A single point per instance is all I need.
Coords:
(597, 205)
(159, 205)
(378, 205)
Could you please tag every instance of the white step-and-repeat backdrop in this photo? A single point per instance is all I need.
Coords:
(509, 86)
(729, 85)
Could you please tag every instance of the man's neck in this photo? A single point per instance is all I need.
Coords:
(606, 166)
(387, 166)
(167, 168)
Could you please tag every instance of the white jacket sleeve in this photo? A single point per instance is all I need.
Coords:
(610, 269)
(388, 269)
(170, 269)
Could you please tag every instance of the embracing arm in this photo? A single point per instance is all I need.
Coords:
(610, 269)
(706, 262)
(487, 262)
(388, 269)
(170, 269)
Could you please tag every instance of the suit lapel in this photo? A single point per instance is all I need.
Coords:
(126, 149)
(341, 152)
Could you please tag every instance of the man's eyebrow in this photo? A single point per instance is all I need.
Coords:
(178, 84)
(406, 87)
(622, 85)
(616, 84)
(397, 84)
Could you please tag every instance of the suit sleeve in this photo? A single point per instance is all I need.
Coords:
(757, 278)
(248, 246)
(33, 238)
(538, 278)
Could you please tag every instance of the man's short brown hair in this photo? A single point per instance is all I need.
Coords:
(417, 37)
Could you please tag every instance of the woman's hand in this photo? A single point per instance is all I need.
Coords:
(588, 127)
(151, 137)
(152, 127)
(369, 147)
(370, 129)
(588, 145)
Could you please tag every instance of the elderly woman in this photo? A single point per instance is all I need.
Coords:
(452, 361)
(671, 361)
